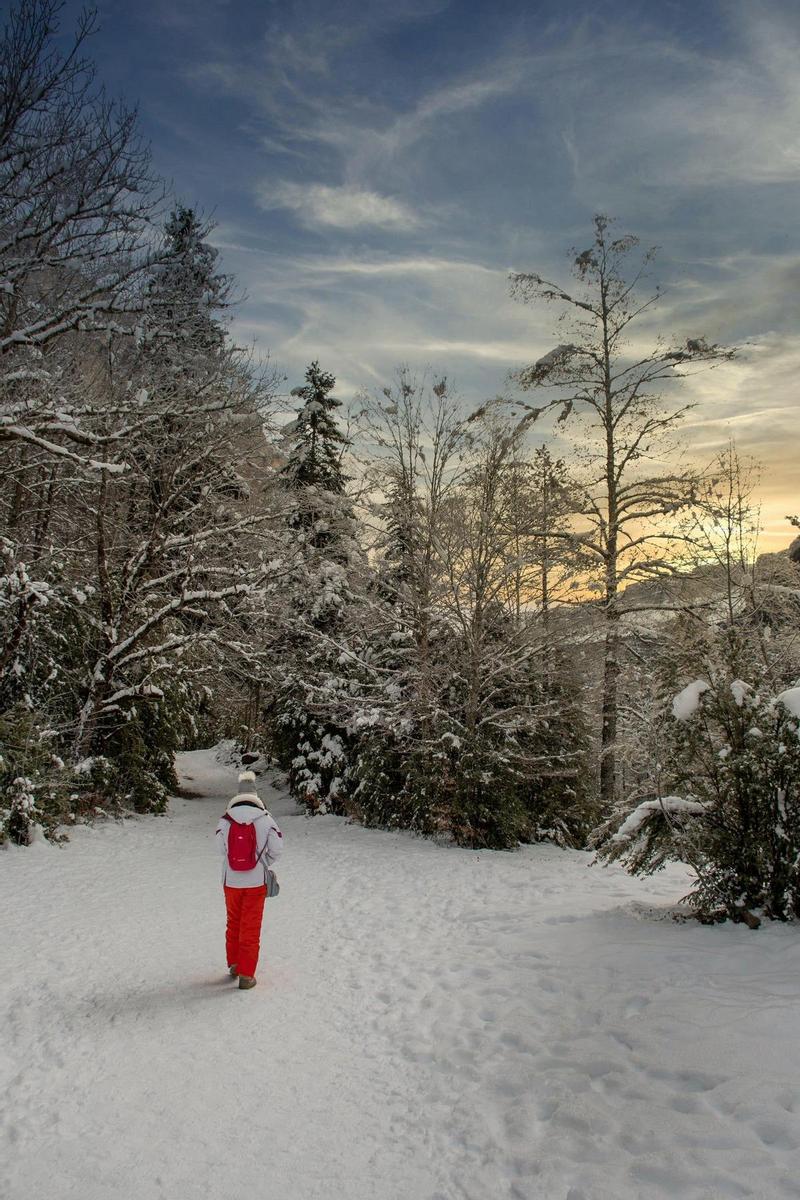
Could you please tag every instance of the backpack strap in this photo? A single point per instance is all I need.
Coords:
(227, 817)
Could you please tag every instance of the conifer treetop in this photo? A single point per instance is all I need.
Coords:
(315, 459)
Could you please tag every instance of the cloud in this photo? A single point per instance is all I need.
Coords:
(341, 207)
(498, 79)
(676, 117)
(399, 266)
(752, 401)
(453, 350)
(495, 152)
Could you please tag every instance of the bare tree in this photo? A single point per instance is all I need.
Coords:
(538, 512)
(418, 438)
(616, 390)
(753, 600)
(478, 550)
(77, 198)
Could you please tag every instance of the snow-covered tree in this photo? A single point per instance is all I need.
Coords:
(305, 677)
(174, 537)
(314, 470)
(151, 568)
(77, 195)
(711, 744)
(513, 777)
(444, 720)
(188, 294)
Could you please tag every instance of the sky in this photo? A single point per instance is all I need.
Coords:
(376, 168)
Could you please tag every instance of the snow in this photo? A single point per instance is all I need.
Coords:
(740, 691)
(140, 690)
(430, 1024)
(791, 699)
(686, 703)
(84, 767)
(677, 805)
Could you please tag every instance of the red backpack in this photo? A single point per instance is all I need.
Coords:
(242, 845)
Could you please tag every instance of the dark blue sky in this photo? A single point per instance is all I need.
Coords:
(377, 168)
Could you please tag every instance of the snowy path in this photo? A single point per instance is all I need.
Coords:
(430, 1024)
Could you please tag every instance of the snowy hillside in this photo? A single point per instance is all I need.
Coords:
(430, 1024)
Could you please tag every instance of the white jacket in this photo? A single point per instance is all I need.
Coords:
(248, 809)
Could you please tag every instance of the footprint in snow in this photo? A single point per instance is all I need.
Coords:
(636, 1005)
(685, 1081)
(774, 1135)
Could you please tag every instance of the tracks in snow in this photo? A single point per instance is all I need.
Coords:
(430, 1024)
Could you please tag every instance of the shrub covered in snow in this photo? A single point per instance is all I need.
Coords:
(32, 788)
(144, 754)
(38, 790)
(389, 782)
(735, 812)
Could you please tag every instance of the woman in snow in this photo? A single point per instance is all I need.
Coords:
(249, 842)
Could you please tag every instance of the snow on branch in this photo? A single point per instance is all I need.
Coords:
(23, 434)
(668, 806)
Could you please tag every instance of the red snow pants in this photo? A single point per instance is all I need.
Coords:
(245, 907)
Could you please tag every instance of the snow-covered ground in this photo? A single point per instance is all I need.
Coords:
(430, 1024)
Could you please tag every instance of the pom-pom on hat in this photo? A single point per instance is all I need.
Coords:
(247, 783)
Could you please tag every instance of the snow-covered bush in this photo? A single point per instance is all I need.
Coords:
(33, 785)
(733, 808)
(311, 749)
(144, 757)
(22, 814)
(493, 786)
(387, 785)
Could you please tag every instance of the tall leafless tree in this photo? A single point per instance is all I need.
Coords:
(616, 388)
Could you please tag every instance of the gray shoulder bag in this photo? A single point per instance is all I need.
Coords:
(270, 878)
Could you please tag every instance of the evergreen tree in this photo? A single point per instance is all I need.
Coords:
(718, 771)
(188, 293)
(318, 444)
(307, 678)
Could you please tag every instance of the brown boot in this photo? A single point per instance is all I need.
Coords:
(246, 981)
(233, 971)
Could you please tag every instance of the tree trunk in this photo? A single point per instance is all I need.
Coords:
(44, 513)
(608, 735)
(609, 727)
(99, 691)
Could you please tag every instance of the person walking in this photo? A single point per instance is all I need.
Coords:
(249, 842)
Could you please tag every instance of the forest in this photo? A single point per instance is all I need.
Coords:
(541, 619)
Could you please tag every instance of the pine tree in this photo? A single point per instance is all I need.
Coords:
(321, 546)
(188, 293)
(318, 443)
(314, 468)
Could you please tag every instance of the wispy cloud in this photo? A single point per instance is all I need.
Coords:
(400, 266)
(342, 207)
(500, 78)
(385, 162)
(678, 116)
